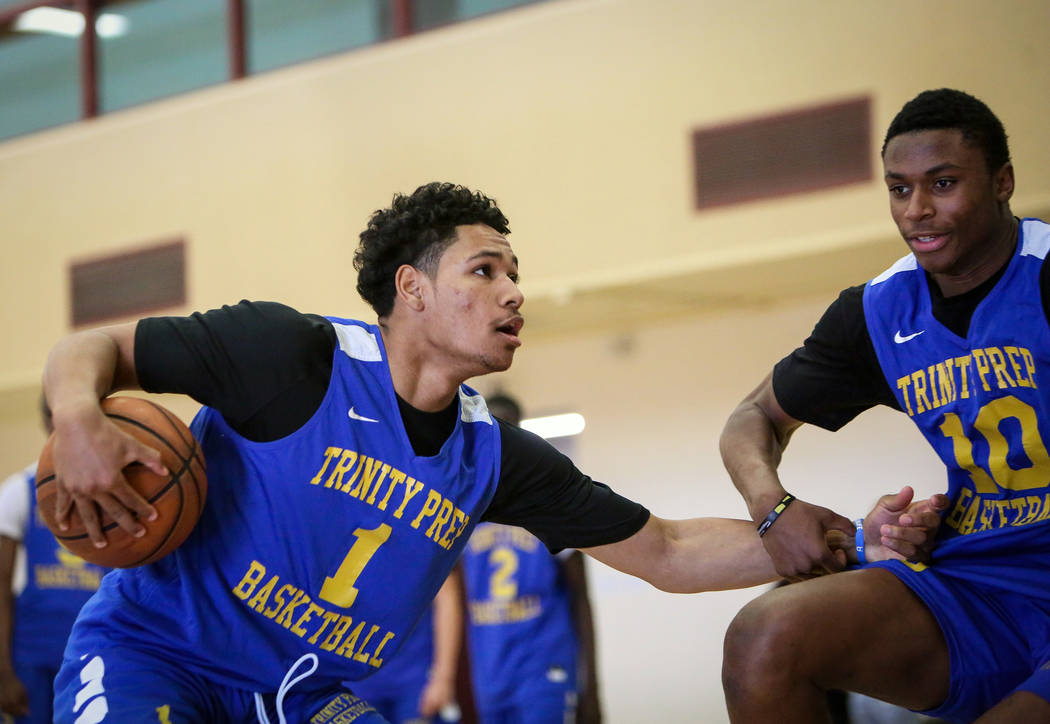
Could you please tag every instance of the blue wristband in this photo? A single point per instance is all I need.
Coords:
(859, 540)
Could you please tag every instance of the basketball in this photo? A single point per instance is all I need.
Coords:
(177, 497)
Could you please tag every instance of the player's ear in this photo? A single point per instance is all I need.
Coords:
(408, 286)
(1004, 182)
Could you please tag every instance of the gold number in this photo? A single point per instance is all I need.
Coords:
(988, 422)
(339, 589)
(952, 429)
(502, 585)
(163, 712)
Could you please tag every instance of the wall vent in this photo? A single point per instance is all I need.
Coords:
(129, 284)
(788, 153)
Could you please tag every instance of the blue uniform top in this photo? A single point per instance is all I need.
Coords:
(978, 402)
(58, 583)
(406, 674)
(520, 618)
(331, 540)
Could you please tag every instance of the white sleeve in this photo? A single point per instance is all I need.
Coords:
(14, 504)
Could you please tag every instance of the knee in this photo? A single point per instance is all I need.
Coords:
(763, 647)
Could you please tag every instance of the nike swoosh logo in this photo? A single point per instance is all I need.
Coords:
(354, 416)
(900, 339)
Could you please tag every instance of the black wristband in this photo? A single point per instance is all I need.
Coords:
(774, 514)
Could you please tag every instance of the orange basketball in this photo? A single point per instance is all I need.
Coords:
(178, 497)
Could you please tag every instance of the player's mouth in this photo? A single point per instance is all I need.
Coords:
(512, 328)
(926, 242)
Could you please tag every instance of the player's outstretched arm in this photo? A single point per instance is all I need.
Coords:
(752, 443)
(690, 556)
(715, 554)
(90, 451)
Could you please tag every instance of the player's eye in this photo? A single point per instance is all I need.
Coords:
(898, 190)
(942, 184)
(483, 271)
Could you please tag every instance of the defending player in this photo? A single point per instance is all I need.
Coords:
(529, 623)
(39, 599)
(955, 336)
(347, 466)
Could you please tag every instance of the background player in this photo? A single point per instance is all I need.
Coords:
(347, 466)
(955, 335)
(418, 686)
(39, 604)
(530, 627)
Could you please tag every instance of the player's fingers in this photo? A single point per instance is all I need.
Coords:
(63, 507)
(939, 502)
(901, 547)
(895, 502)
(838, 522)
(150, 457)
(830, 562)
(132, 500)
(121, 514)
(89, 516)
(910, 534)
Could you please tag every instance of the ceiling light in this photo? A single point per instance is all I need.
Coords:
(68, 23)
(571, 423)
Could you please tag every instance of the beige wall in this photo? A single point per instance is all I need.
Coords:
(576, 115)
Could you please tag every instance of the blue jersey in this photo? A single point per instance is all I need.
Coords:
(519, 615)
(406, 674)
(332, 540)
(58, 584)
(978, 402)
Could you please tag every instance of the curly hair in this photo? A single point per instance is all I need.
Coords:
(954, 109)
(416, 230)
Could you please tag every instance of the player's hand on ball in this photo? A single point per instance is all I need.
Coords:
(899, 528)
(90, 453)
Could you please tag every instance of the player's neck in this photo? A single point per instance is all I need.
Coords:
(419, 380)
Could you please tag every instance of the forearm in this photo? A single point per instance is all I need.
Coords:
(448, 632)
(583, 624)
(83, 368)
(690, 556)
(751, 450)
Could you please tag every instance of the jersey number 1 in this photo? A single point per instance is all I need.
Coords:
(339, 589)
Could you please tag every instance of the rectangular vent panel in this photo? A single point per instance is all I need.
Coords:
(789, 153)
(129, 284)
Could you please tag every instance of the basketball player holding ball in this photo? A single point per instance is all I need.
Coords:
(347, 465)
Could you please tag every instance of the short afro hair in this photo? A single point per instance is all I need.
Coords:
(416, 230)
(953, 109)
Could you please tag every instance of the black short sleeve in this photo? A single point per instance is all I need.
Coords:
(834, 375)
(542, 491)
(263, 365)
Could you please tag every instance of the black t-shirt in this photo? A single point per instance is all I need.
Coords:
(835, 375)
(266, 368)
